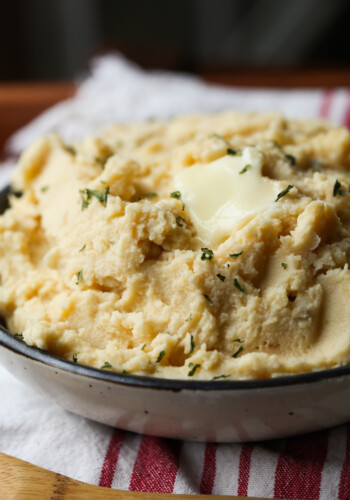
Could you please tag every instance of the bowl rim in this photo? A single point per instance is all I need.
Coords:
(19, 347)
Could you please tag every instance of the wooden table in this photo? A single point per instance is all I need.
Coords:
(21, 102)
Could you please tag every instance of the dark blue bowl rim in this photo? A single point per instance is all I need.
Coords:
(17, 346)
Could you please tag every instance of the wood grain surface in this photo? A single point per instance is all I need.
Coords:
(20, 480)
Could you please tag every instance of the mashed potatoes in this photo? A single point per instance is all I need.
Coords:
(102, 263)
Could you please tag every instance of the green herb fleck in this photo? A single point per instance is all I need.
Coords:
(244, 169)
(79, 276)
(218, 377)
(44, 189)
(180, 220)
(192, 345)
(239, 350)
(71, 150)
(193, 369)
(284, 192)
(103, 159)
(177, 196)
(316, 165)
(291, 159)
(106, 366)
(150, 195)
(82, 248)
(238, 286)
(338, 189)
(221, 277)
(207, 254)
(87, 194)
(227, 265)
(235, 255)
(208, 298)
(160, 356)
(189, 317)
(284, 265)
(139, 198)
(218, 136)
(238, 340)
(143, 347)
(18, 336)
(234, 152)
(125, 372)
(75, 357)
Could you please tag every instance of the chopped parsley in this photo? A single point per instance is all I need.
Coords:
(221, 277)
(75, 357)
(150, 195)
(106, 366)
(189, 317)
(143, 347)
(207, 254)
(284, 192)
(218, 377)
(44, 189)
(218, 136)
(208, 298)
(192, 345)
(193, 369)
(79, 276)
(239, 350)
(160, 356)
(234, 152)
(71, 150)
(87, 194)
(238, 340)
(18, 336)
(235, 255)
(244, 169)
(284, 265)
(177, 196)
(103, 159)
(291, 159)
(180, 220)
(337, 189)
(82, 248)
(238, 286)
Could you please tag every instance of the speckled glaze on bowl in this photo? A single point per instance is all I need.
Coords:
(218, 411)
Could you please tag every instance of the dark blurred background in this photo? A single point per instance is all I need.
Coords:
(54, 40)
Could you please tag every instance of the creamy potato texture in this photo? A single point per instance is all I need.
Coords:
(101, 262)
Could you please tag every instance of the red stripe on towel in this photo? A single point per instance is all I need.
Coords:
(299, 467)
(347, 112)
(209, 470)
(156, 465)
(326, 103)
(111, 459)
(344, 484)
(244, 469)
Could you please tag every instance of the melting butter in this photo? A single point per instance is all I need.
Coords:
(223, 192)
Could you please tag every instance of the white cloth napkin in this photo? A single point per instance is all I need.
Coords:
(42, 433)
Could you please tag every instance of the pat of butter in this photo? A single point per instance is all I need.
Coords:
(225, 191)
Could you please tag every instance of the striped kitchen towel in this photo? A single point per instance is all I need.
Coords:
(308, 467)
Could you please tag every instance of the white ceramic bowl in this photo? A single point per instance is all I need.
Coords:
(221, 410)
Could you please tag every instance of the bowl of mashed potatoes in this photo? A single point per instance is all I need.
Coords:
(197, 261)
